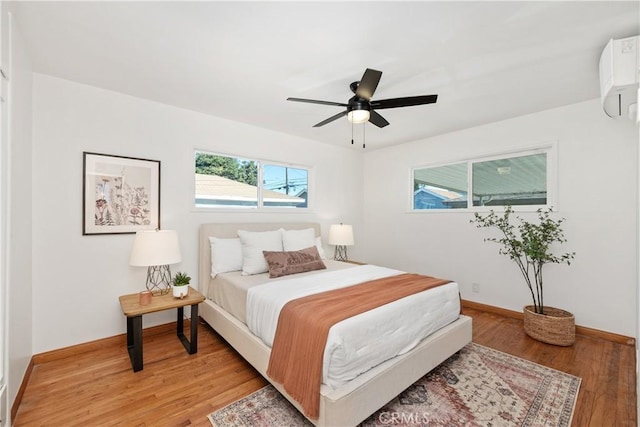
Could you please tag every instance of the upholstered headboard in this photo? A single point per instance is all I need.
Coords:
(230, 231)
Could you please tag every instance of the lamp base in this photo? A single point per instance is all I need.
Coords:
(159, 279)
(340, 253)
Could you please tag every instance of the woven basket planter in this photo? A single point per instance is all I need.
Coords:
(555, 326)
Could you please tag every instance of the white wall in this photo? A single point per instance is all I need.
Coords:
(77, 279)
(19, 308)
(598, 195)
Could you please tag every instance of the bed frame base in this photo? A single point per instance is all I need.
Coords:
(355, 401)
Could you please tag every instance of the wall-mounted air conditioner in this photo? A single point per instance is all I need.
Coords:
(619, 77)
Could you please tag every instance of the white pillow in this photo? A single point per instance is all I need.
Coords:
(320, 248)
(253, 243)
(226, 255)
(294, 240)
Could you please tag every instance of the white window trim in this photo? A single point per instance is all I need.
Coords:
(259, 208)
(550, 147)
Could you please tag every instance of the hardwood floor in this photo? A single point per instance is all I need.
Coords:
(99, 388)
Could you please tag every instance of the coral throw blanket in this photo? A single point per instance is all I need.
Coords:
(304, 323)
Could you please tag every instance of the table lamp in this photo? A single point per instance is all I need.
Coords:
(341, 235)
(156, 249)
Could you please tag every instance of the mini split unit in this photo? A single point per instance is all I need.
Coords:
(619, 77)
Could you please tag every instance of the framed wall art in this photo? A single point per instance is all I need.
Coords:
(119, 194)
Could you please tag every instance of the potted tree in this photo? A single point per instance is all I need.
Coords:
(528, 244)
(180, 285)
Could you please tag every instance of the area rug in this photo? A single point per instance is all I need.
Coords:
(477, 386)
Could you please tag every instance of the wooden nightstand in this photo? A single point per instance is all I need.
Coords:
(134, 312)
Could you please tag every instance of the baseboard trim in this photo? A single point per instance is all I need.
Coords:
(21, 390)
(62, 353)
(580, 330)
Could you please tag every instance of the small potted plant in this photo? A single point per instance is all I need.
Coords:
(528, 244)
(180, 285)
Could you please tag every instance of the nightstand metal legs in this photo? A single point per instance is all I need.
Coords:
(134, 336)
(192, 344)
(134, 341)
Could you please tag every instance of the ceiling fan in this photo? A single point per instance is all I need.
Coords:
(360, 108)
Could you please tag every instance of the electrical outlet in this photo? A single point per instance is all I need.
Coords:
(475, 287)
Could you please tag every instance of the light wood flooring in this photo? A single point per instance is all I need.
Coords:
(98, 387)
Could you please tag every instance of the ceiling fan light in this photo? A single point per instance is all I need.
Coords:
(358, 116)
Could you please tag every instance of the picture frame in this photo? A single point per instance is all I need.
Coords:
(120, 195)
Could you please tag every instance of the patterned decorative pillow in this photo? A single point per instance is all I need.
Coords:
(293, 262)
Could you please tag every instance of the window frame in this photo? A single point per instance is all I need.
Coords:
(549, 148)
(260, 207)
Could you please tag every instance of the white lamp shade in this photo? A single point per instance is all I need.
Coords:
(341, 235)
(155, 247)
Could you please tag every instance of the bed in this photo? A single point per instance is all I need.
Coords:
(344, 400)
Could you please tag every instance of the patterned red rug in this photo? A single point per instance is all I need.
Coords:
(477, 386)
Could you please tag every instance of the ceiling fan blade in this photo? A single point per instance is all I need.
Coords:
(377, 119)
(368, 83)
(330, 119)
(315, 101)
(407, 101)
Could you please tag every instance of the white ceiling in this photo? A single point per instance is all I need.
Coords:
(487, 61)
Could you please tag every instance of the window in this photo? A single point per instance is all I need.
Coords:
(441, 187)
(511, 181)
(232, 182)
(514, 179)
(279, 180)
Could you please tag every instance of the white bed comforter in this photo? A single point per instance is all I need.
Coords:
(359, 343)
